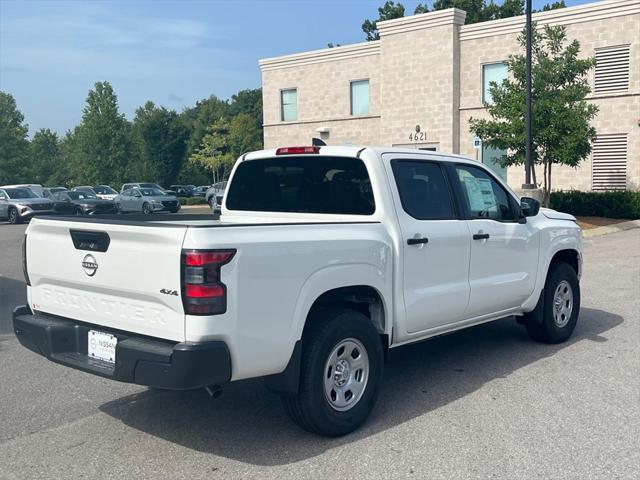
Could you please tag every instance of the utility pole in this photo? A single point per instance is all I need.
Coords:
(528, 112)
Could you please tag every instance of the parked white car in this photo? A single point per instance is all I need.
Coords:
(326, 258)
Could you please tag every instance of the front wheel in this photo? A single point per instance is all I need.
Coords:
(14, 216)
(212, 202)
(341, 371)
(560, 308)
(146, 208)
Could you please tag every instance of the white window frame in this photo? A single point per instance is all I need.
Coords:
(351, 83)
(482, 67)
(282, 92)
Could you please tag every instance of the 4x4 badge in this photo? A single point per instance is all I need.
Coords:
(169, 292)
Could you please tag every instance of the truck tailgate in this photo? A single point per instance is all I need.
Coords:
(125, 277)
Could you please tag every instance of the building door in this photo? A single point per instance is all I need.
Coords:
(491, 158)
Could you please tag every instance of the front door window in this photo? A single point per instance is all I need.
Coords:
(491, 158)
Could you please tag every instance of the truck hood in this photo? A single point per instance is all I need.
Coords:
(549, 213)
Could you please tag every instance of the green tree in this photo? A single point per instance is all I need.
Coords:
(199, 118)
(14, 146)
(388, 11)
(101, 144)
(45, 155)
(249, 102)
(160, 143)
(561, 131)
(224, 142)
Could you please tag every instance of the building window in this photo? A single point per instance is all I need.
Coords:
(609, 166)
(360, 97)
(612, 69)
(491, 158)
(492, 72)
(289, 105)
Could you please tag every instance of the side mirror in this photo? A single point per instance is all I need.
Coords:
(530, 206)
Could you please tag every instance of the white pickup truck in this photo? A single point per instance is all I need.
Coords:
(324, 258)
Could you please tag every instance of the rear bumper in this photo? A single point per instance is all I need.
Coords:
(141, 360)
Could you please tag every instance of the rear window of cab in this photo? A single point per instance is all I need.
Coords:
(302, 184)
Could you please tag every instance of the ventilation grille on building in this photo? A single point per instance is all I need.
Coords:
(610, 162)
(612, 69)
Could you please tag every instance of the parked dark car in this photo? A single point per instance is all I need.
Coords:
(201, 190)
(184, 190)
(81, 202)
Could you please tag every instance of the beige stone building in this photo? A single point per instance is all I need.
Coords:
(428, 74)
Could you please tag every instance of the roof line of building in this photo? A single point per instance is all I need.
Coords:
(323, 55)
(580, 13)
(561, 16)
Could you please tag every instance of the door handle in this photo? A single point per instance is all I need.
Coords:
(417, 241)
(480, 236)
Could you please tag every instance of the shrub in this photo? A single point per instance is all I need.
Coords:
(192, 201)
(620, 204)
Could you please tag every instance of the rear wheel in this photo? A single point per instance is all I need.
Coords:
(560, 308)
(341, 372)
(146, 208)
(14, 216)
(78, 211)
(212, 202)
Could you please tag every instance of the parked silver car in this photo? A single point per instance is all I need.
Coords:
(215, 195)
(146, 200)
(21, 203)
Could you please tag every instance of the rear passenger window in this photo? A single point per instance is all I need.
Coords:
(423, 190)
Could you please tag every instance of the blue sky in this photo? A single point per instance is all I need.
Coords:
(171, 52)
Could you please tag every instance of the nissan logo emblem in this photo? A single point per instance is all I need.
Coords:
(89, 265)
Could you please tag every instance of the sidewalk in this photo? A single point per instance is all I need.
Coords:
(616, 227)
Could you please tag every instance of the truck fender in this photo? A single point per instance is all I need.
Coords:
(320, 282)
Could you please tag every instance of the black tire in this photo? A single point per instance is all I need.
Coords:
(310, 408)
(14, 217)
(146, 208)
(556, 326)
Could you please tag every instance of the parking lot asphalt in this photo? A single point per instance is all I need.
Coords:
(486, 402)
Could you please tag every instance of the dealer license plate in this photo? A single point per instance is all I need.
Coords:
(102, 346)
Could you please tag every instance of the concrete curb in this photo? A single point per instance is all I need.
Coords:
(617, 227)
(188, 207)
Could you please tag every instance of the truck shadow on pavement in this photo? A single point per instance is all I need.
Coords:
(248, 424)
(12, 293)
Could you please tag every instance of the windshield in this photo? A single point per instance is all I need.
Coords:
(338, 185)
(104, 190)
(151, 192)
(80, 195)
(20, 193)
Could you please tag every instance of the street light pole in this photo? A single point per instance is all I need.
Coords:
(528, 112)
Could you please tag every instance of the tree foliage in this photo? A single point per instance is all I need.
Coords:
(224, 142)
(388, 11)
(101, 142)
(561, 130)
(477, 11)
(160, 143)
(45, 156)
(14, 146)
(106, 148)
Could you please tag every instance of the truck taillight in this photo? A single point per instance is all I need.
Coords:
(24, 261)
(203, 292)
